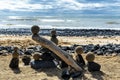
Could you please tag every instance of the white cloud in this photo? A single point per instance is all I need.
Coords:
(75, 5)
(24, 5)
(21, 5)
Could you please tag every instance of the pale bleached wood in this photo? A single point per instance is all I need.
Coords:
(58, 51)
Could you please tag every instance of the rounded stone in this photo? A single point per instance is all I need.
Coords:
(90, 57)
(26, 60)
(55, 40)
(53, 32)
(15, 48)
(15, 53)
(36, 56)
(79, 50)
(35, 29)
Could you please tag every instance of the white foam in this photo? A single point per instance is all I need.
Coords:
(56, 27)
(51, 20)
(2, 26)
(14, 17)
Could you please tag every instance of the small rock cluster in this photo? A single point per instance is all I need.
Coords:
(107, 49)
(63, 32)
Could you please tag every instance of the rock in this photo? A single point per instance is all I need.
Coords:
(36, 56)
(79, 50)
(14, 63)
(96, 47)
(90, 57)
(53, 32)
(117, 50)
(54, 39)
(35, 29)
(28, 52)
(5, 54)
(26, 60)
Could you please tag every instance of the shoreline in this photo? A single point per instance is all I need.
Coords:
(62, 32)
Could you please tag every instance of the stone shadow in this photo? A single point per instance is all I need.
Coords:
(51, 72)
(16, 71)
(98, 75)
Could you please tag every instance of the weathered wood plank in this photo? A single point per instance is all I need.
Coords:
(53, 47)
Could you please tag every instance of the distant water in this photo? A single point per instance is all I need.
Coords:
(61, 22)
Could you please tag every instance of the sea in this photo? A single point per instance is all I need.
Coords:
(61, 22)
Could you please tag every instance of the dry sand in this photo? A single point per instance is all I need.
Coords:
(110, 64)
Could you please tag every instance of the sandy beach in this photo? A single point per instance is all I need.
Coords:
(110, 64)
(77, 27)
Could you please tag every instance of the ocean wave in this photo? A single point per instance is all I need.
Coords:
(57, 27)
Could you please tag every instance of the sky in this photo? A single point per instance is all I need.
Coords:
(57, 7)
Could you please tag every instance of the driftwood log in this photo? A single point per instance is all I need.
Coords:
(54, 48)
